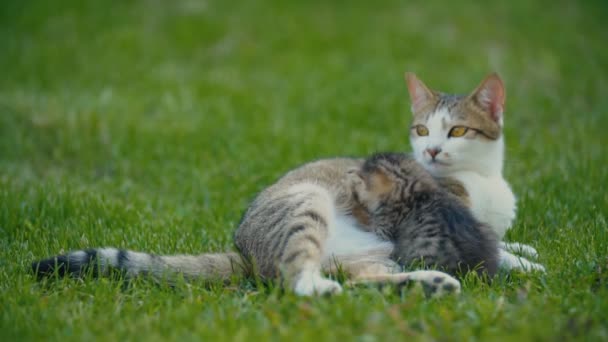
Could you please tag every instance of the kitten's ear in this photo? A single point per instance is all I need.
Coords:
(379, 183)
(490, 95)
(420, 94)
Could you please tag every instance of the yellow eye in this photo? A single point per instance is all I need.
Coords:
(422, 130)
(458, 131)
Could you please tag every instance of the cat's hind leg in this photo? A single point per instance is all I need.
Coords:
(434, 283)
(376, 267)
(300, 259)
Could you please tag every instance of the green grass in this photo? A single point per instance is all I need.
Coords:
(150, 125)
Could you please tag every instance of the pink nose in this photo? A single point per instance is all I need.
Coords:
(433, 151)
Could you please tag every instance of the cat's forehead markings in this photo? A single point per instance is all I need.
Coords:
(438, 120)
(446, 105)
(448, 100)
(444, 123)
(451, 103)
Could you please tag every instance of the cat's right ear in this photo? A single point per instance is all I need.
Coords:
(420, 95)
(490, 95)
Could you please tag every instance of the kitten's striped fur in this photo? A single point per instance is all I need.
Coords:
(426, 222)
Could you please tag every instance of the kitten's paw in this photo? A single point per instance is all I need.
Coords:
(434, 283)
(509, 262)
(309, 284)
(519, 248)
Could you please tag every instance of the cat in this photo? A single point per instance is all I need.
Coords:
(460, 139)
(426, 223)
(313, 221)
(307, 223)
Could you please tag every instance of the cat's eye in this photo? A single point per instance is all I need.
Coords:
(458, 131)
(422, 130)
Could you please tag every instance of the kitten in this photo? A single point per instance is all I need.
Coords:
(460, 139)
(426, 222)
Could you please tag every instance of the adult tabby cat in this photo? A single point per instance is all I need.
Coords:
(309, 221)
(460, 139)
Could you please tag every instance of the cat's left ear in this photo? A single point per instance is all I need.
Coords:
(420, 95)
(490, 95)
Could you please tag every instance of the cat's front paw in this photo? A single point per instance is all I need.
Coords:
(519, 248)
(509, 262)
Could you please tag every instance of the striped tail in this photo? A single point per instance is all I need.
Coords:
(101, 262)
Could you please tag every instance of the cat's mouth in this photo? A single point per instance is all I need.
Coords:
(437, 163)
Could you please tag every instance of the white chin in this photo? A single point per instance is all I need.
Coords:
(435, 168)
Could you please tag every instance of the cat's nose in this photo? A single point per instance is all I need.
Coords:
(433, 151)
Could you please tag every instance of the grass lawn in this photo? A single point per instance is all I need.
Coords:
(150, 125)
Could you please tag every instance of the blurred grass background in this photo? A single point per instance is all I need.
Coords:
(150, 125)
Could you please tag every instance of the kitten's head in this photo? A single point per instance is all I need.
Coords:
(452, 133)
(389, 186)
(388, 180)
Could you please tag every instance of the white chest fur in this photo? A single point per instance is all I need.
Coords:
(345, 237)
(492, 200)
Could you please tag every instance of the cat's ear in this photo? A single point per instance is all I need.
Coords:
(420, 94)
(490, 95)
(375, 182)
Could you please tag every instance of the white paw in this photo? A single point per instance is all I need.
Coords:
(434, 283)
(519, 248)
(311, 283)
(509, 261)
(528, 266)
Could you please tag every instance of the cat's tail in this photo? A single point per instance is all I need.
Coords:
(103, 261)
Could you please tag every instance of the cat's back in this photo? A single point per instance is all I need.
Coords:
(328, 174)
(324, 180)
(325, 172)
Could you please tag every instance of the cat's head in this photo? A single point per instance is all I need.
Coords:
(451, 133)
